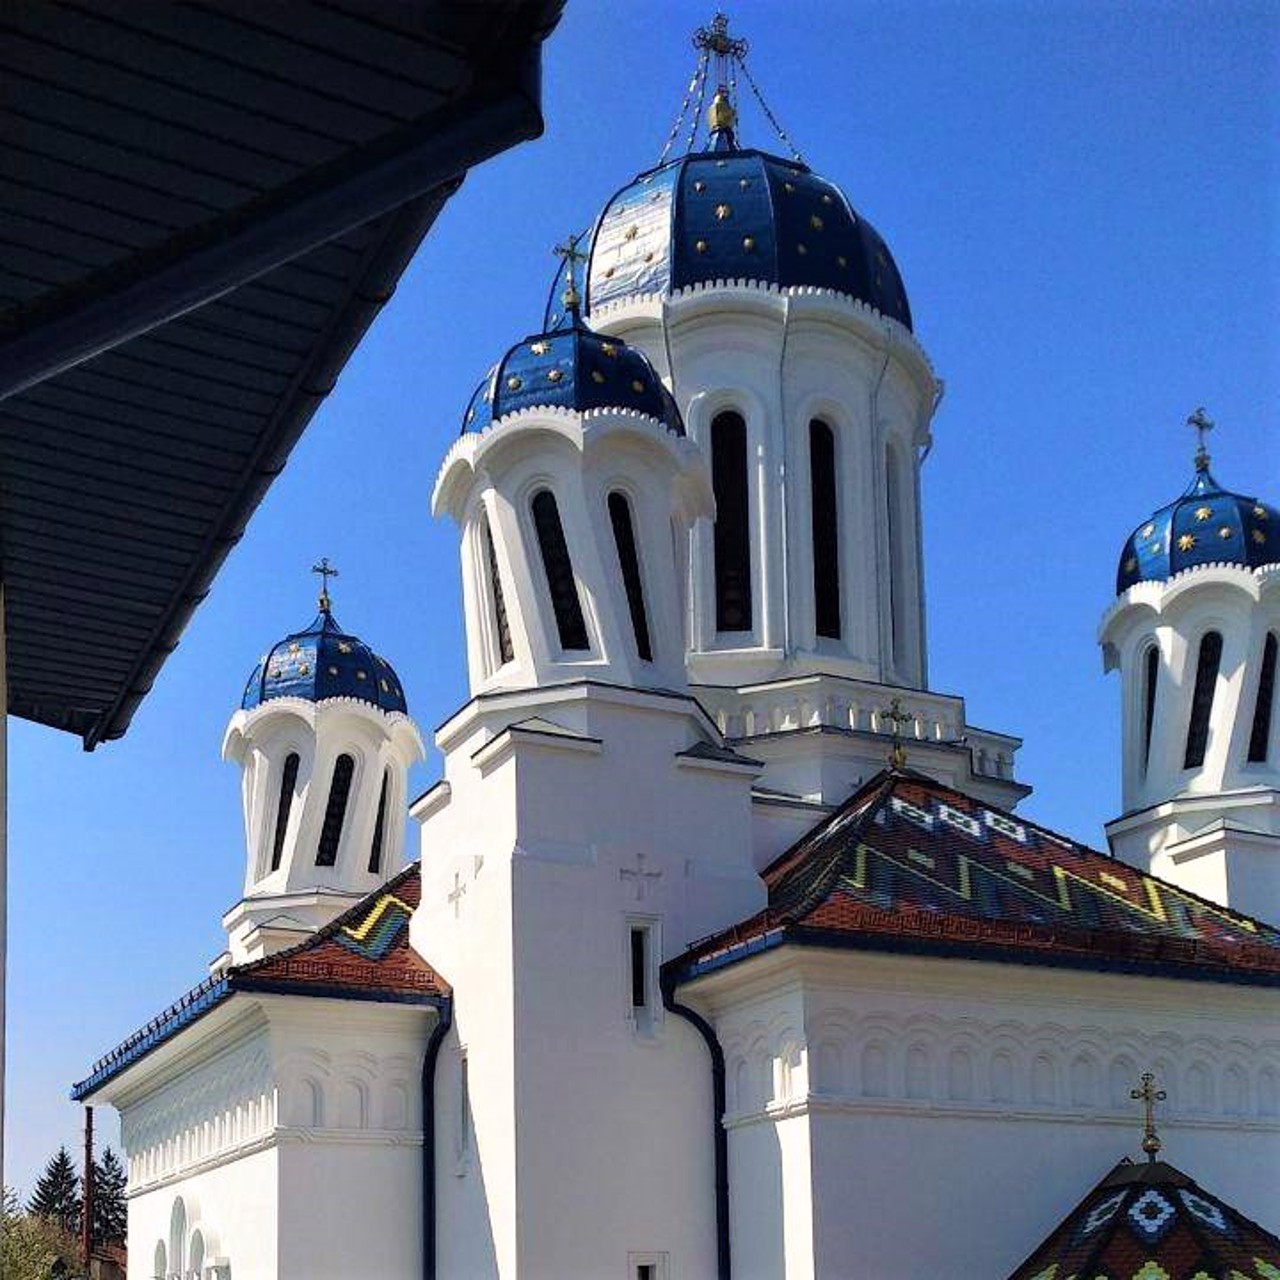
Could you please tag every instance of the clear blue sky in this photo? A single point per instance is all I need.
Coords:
(1082, 198)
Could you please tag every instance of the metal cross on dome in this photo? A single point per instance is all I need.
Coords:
(895, 715)
(1202, 424)
(572, 255)
(1149, 1095)
(326, 571)
(716, 39)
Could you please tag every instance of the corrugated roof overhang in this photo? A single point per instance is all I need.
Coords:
(202, 208)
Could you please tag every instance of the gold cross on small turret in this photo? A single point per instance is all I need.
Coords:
(572, 255)
(326, 571)
(1202, 424)
(895, 715)
(1149, 1095)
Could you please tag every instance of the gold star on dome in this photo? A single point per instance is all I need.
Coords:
(744, 183)
(1260, 513)
(514, 383)
(554, 375)
(1131, 564)
(1203, 513)
(360, 675)
(700, 246)
(699, 186)
(596, 375)
(540, 348)
(631, 232)
(788, 188)
(748, 243)
(723, 212)
(826, 198)
(608, 349)
(1259, 537)
(1148, 530)
(1225, 532)
(842, 261)
(333, 671)
(637, 385)
(343, 647)
(801, 250)
(1186, 542)
(815, 222)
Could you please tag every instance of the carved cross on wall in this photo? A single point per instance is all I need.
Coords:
(639, 876)
(455, 894)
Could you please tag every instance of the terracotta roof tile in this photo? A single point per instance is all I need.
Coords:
(910, 864)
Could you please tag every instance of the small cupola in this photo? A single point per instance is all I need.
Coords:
(575, 489)
(325, 743)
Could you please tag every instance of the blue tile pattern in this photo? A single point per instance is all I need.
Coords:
(1205, 525)
(738, 215)
(571, 367)
(324, 662)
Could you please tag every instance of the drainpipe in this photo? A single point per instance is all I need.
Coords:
(724, 1269)
(429, 1060)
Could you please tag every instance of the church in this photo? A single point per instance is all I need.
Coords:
(727, 950)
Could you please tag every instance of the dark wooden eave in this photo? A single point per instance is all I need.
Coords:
(202, 208)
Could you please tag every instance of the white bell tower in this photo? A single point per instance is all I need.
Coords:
(324, 743)
(1194, 634)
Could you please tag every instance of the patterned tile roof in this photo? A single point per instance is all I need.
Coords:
(1152, 1222)
(362, 955)
(907, 864)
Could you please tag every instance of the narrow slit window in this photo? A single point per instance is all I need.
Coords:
(732, 533)
(1151, 674)
(557, 567)
(1260, 733)
(335, 811)
(501, 625)
(379, 826)
(624, 537)
(1207, 664)
(639, 967)
(464, 1108)
(893, 527)
(826, 544)
(288, 781)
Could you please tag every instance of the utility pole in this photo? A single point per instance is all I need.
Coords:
(86, 1213)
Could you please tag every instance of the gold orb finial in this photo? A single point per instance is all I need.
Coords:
(721, 117)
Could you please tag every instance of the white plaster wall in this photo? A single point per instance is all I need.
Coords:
(592, 1130)
(234, 1206)
(904, 1077)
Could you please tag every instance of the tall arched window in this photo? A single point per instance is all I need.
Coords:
(1260, 733)
(501, 627)
(826, 544)
(732, 534)
(1202, 699)
(335, 811)
(895, 531)
(624, 538)
(177, 1236)
(159, 1267)
(288, 781)
(558, 568)
(1150, 674)
(379, 825)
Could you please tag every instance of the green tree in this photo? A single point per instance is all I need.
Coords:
(109, 1214)
(57, 1194)
(33, 1247)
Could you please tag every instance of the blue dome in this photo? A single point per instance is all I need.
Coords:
(1206, 525)
(324, 662)
(570, 367)
(727, 214)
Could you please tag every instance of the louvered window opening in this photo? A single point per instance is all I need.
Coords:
(624, 538)
(379, 826)
(732, 534)
(288, 780)
(501, 626)
(556, 565)
(1260, 732)
(825, 521)
(1210, 658)
(1150, 676)
(335, 811)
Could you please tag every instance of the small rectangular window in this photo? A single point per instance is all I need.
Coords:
(647, 1266)
(646, 1271)
(639, 967)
